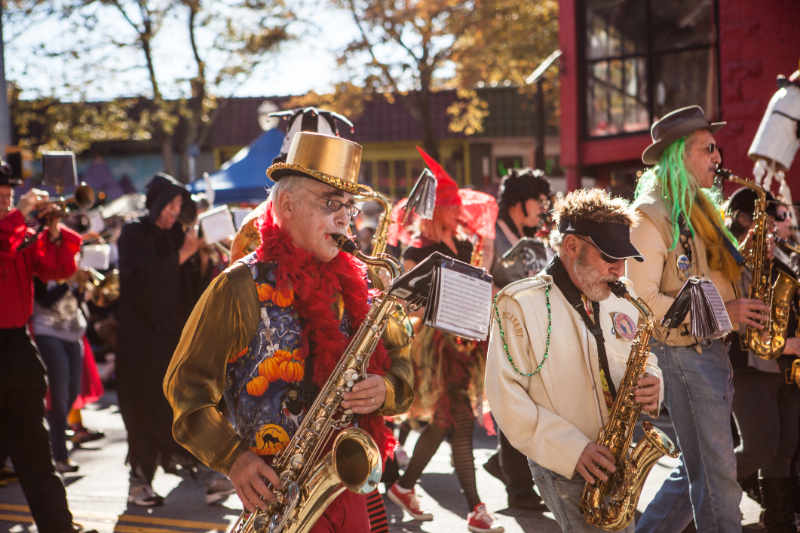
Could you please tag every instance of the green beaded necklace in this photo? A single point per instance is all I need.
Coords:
(547, 345)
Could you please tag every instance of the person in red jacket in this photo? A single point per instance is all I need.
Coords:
(49, 255)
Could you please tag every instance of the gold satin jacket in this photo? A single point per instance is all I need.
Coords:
(222, 324)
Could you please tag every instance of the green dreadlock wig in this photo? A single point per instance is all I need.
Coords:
(681, 191)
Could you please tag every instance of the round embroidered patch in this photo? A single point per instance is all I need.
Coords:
(625, 326)
(683, 262)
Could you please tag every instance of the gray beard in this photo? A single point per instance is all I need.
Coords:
(591, 283)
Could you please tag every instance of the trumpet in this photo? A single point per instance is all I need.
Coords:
(83, 196)
(104, 288)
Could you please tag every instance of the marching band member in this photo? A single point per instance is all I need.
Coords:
(765, 407)
(22, 374)
(270, 329)
(551, 390)
(682, 234)
(524, 204)
(154, 253)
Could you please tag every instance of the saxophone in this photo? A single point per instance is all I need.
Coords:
(610, 505)
(777, 297)
(379, 240)
(309, 480)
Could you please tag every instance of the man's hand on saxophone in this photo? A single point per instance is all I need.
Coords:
(593, 458)
(648, 392)
(247, 475)
(367, 396)
(747, 312)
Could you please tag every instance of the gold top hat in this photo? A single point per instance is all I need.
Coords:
(325, 158)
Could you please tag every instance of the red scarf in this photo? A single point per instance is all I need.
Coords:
(315, 286)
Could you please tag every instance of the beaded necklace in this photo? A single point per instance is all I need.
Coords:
(547, 345)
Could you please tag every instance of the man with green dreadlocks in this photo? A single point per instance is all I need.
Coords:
(682, 234)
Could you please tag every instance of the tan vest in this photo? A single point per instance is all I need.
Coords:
(672, 278)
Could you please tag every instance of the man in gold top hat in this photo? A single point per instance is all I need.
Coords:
(269, 330)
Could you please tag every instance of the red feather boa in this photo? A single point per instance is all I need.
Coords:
(315, 286)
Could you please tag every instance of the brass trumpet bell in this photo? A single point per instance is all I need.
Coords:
(83, 196)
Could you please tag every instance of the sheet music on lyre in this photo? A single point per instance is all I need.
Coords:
(457, 296)
(463, 305)
(709, 319)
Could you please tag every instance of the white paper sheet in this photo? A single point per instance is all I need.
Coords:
(464, 304)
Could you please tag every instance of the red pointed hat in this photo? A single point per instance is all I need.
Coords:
(446, 187)
(478, 209)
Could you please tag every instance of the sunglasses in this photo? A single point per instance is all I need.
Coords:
(605, 257)
(711, 148)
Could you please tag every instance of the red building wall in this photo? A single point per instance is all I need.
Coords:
(759, 39)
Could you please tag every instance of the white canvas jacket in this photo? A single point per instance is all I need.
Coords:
(552, 416)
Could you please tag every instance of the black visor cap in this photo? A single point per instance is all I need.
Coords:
(611, 238)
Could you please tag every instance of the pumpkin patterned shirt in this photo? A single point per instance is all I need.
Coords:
(264, 382)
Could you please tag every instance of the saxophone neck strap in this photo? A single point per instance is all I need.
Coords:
(564, 283)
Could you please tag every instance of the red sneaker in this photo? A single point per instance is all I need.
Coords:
(409, 503)
(480, 521)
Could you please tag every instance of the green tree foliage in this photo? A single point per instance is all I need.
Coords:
(223, 41)
(409, 49)
(46, 124)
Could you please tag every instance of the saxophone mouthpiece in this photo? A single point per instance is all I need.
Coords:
(618, 288)
(723, 173)
(346, 245)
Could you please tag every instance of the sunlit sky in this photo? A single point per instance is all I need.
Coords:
(300, 66)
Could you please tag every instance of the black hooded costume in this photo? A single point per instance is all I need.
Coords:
(157, 295)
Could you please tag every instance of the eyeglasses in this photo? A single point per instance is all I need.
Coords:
(605, 257)
(335, 205)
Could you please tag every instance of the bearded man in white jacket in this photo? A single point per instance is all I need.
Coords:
(559, 347)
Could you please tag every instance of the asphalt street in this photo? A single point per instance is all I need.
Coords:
(98, 492)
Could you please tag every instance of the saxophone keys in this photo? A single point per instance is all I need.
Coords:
(296, 461)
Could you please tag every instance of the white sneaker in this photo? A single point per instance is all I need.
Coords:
(144, 496)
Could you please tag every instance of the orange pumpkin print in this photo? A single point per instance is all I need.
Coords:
(270, 369)
(282, 355)
(283, 296)
(257, 386)
(265, 292)
(292, 371)
(297, 355)
(234, 358)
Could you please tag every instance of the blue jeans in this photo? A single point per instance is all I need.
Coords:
(563, 497)
(699, 396)
(64, 363)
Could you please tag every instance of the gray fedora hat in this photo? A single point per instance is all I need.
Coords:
(675, 125)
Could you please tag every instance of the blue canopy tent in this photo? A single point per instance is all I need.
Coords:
(243, 178)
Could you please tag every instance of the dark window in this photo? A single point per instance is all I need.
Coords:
(384, 182)
(400, 182)
(645, 58)
(365, 173)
